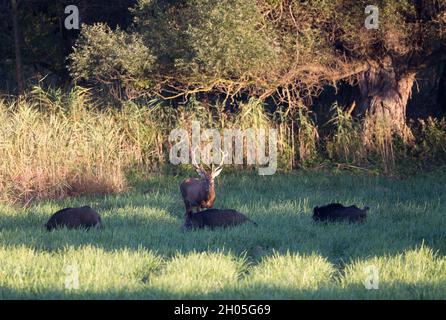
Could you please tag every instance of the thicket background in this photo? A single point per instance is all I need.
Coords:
(83, 109)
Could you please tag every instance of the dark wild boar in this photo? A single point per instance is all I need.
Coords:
(338, 212)
(200, 193)
(213, 218)
(73, 218)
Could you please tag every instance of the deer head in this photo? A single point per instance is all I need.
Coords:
(214, 172)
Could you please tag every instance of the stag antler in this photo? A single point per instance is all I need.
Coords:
(216, 172)
(223, 156)
(197, 167)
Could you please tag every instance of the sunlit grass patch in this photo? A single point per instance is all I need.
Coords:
(287, 276)
(73, 272)
(414, 274)
(198, 274)
(292, 271)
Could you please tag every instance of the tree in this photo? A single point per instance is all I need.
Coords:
(285, 49)
(197, 45)
(384, 62)
(33, 36)
(410, 38)
(441, 97)
(17, 47)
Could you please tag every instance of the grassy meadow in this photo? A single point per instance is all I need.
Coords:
(343, 108)
(141, 252)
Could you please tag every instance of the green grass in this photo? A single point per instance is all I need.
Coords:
(141, 252)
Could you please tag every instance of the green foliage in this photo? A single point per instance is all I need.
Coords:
(252, 115)
(254, 47)
(106, 55)
(45, 42)
(395, 34)
(211, 41)
(345, 143)
(433, 139)
(307, 137)
(229, 40)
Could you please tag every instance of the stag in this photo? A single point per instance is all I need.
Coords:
(200, 193)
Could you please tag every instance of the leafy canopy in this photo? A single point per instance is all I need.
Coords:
(264, 47)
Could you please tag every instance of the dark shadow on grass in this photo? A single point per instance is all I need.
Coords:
(153, 220)
(394, 290)
(160, 232)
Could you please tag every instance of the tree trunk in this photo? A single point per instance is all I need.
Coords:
(18, 55)
(384, 93)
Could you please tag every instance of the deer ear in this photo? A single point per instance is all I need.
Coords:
(216, 173)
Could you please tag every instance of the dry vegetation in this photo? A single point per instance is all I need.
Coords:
(54, 145)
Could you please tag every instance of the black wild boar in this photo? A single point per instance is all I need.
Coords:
(338, 212)
(72, 218)
(213, 218)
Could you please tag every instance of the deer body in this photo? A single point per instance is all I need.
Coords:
(197, 193)
(200, 193)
